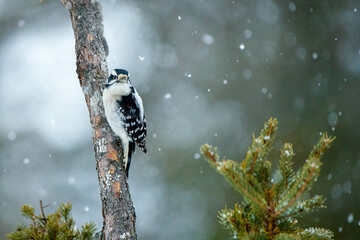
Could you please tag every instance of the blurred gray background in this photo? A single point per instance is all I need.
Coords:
(208, 71)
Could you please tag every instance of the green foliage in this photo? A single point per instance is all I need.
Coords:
(59, 225)
(270, 209)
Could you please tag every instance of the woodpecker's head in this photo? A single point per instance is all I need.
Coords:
(118, 83)
(118, 76)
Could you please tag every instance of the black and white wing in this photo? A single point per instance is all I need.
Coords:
(133, 117)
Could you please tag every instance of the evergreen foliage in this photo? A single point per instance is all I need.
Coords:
(271, 209)
(57, 226)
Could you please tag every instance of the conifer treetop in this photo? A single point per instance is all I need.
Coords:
(271, 209)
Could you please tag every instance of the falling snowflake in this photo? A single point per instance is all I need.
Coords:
(242, 46)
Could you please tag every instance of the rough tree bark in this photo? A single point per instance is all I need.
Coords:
(91, 51)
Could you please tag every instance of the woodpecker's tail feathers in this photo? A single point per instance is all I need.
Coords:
(142, 145)
(130, 153)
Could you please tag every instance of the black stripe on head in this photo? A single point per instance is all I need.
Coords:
(112, 79)
(121, 71)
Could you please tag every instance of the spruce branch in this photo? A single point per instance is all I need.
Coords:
(255, 160)
(315, 234)
(234, 173)
(285, 164)
(59, 225)
(239, 222)
(307, 176)
(305, 206)
(270, 210)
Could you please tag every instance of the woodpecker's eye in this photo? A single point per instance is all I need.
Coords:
(112, 76)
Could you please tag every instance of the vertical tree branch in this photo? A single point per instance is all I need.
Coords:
(91, 51)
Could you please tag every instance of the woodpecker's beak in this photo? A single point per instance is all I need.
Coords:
(123, 78)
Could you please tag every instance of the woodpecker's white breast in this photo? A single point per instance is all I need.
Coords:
(110, 96)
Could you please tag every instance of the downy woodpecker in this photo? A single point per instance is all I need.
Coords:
(124, 112)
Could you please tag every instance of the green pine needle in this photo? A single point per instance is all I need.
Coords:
(285, 236)
(316, 234)
(65, 210)
(27, 211)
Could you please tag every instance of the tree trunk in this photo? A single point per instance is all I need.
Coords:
(91, 51)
